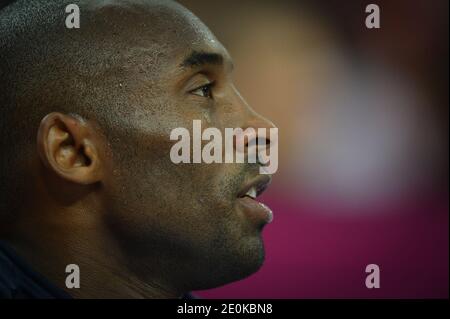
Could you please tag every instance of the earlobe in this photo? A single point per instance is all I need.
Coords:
(66, 146)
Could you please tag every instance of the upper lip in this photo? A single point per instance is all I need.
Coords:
(260, 183)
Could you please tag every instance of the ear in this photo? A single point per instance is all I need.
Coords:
(66, 145)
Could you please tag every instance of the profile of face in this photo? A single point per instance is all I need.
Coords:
(158, 67)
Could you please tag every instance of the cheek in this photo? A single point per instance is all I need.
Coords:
(144, 187)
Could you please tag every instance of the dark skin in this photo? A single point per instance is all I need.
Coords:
(102, 191)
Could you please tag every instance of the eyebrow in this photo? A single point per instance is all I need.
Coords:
(201, 58)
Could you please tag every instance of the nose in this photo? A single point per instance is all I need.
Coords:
(257, 129)
(254, 137)
(257, 134)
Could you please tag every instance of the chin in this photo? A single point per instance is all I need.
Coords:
(251, 257)
(236, 264)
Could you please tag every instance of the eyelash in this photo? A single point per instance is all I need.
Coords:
(208, 87)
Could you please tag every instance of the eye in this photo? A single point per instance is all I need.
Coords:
(204, 90)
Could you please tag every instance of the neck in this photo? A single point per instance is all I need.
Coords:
(105, 271)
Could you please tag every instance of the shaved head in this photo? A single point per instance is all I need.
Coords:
(86, 119)
(47, 67)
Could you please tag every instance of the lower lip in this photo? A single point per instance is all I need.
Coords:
(256, 210)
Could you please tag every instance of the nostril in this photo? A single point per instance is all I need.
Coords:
(257, 142)
(263, 141)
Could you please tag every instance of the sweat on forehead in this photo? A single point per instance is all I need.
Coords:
(112, 33)
(146, 20)
(159, 31)
(125, 19)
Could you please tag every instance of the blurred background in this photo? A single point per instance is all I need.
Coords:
(363, 157)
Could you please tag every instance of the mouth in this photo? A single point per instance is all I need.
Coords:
(255, 187)
(247, 198)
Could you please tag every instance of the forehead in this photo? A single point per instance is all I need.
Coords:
(164, 30)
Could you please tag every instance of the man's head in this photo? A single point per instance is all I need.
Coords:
(86, 120)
